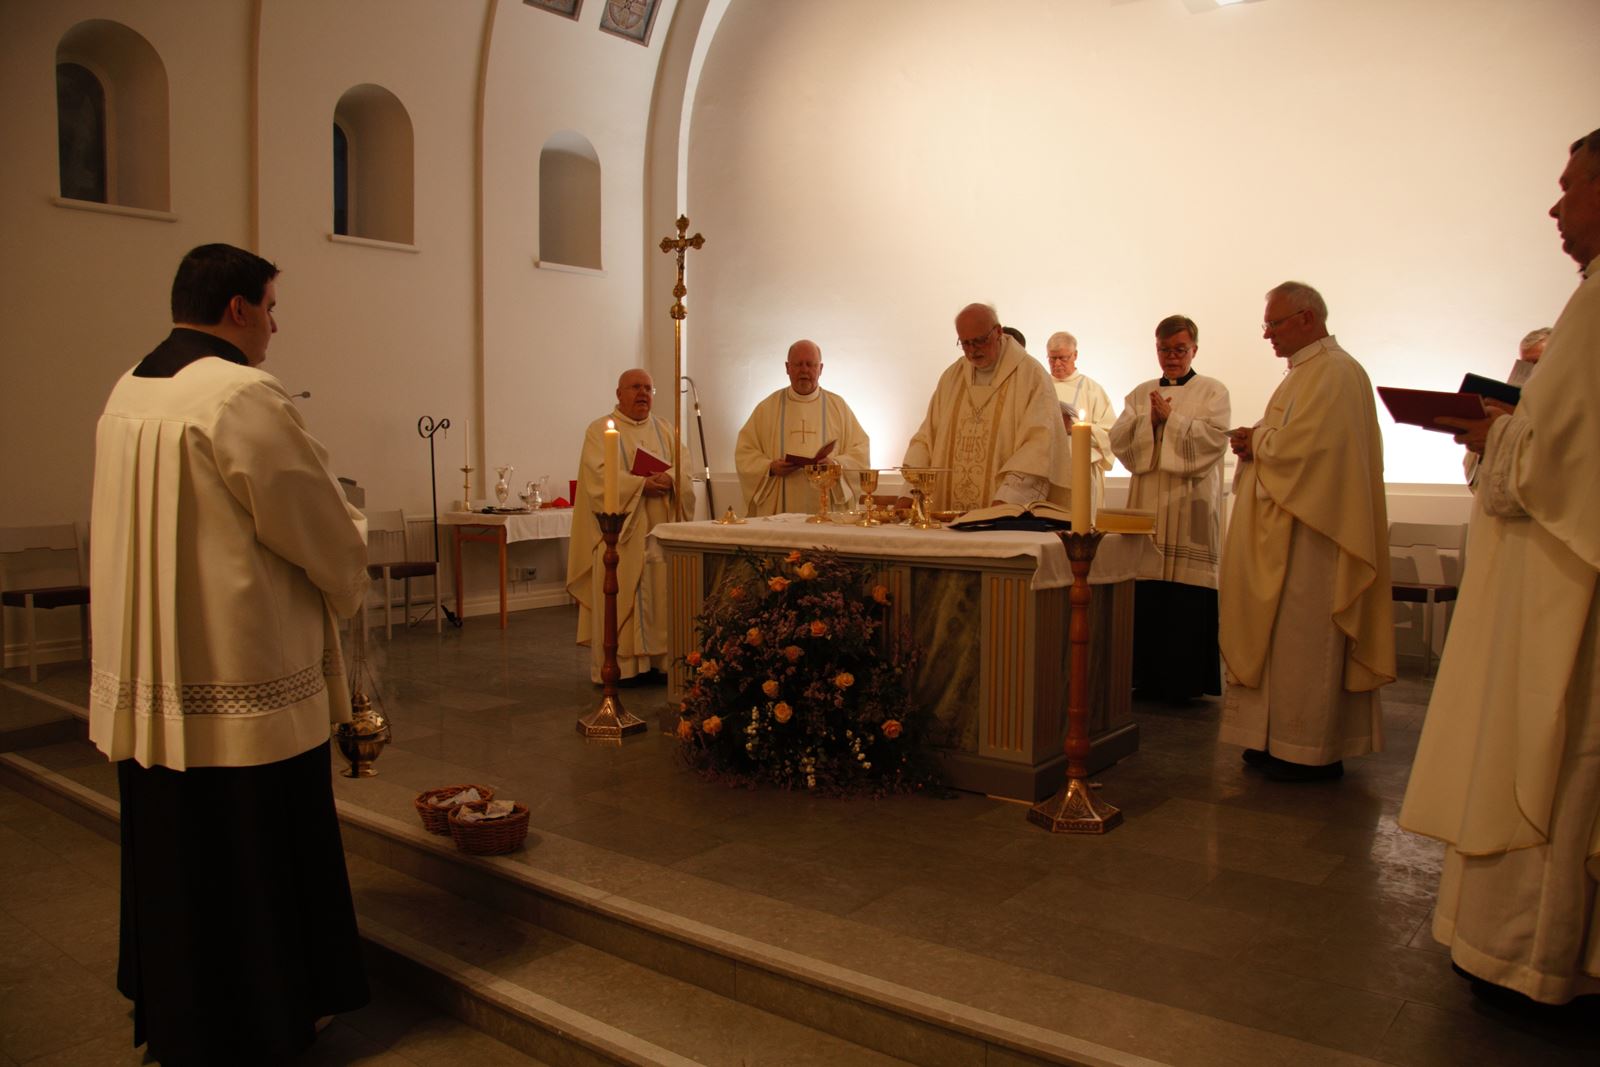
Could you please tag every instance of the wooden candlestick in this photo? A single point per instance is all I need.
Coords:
(1075, 809)
(610, 722)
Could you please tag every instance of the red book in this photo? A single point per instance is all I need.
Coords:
(1419, 407)
(646, 463)
(806, 461)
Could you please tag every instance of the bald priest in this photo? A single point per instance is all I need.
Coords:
(795, 422)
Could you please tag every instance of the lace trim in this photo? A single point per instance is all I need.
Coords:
(212, 698)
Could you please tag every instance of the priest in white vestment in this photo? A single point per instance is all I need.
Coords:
(994, 421)
(1172, 436)
(1307, 628)
(796, 421)
(1507, 772)
(1529, 351)
(1088, 401)
(648, 500)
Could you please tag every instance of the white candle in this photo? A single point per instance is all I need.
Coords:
(1082, 487)
(611, 460)
(466, 443)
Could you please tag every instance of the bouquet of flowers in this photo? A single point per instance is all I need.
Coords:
(795, 684)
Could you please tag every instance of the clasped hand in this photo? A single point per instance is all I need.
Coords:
(658, 484)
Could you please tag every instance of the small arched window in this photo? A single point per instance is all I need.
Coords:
(111, 117)
(373, 165)
(569, 201)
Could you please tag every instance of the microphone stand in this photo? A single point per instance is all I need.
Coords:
(705, 458)
(426, 428)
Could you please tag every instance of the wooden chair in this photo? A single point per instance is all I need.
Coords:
(40, 551)
(386, 560)
(1420, 576)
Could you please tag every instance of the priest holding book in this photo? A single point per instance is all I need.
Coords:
(633, 463)
(801, 423)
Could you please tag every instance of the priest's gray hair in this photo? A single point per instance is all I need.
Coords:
(1534, 339)
(1061, 339)
(1306, 297)
(1590, 143)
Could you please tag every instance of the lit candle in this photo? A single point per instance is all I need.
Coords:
(612, 461)
(1082, 487)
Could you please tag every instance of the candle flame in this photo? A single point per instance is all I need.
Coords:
(610, 425)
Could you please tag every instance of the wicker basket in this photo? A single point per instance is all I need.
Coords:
(437, 820)
(493, 837)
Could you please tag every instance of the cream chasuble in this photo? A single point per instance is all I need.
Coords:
(787, 423)
(641, 585)
(1093, 406)
(1507, 771)
(997, 436)
(1306, 627)
(1177, 473)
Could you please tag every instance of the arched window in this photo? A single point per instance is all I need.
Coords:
(374, 167)
(569, 201)
(111, 117)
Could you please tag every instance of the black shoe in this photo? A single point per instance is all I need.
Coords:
(1257, 757)
(1280, 770)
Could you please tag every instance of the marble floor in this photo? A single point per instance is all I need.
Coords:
(1231, 919)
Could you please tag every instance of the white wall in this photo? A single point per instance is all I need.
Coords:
(861, 171)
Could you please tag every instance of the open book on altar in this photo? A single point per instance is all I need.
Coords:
(646, 463)
(807, 461)
(1039, 515)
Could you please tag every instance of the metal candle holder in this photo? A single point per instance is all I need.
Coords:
(1075, 809)
(610, 722)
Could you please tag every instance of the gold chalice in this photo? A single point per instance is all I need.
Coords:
(823, 476)
(867, 478)
(922, 481)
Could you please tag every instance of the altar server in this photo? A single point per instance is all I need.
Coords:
(1507, 772)
(1307, 631)
(796, 421)
(1088, 402)
(1172, 436)
(994, 421)
(648, 500)
(223, 556)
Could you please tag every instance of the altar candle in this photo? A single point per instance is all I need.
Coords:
(466, 443)
(612, 461)
(1082, 487)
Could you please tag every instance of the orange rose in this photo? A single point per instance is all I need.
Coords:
(693, 659)
(736, 592)
(819, 628)
(778, 585)
(685, 730)
(806, 571)
(793, 652)
(782, 712)
(844, 679)
(753, 636)
(711, 725)
(793, 557)
(770, 687)
(891, 728)
(709, 669)
(880, 593)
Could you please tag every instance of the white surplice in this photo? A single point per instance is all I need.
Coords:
(1088, 398)
(1507, 771)
(641, 584)
(786, 423)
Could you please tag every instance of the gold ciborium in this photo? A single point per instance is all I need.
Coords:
(823, 477)
(922, 481)
(867, 479)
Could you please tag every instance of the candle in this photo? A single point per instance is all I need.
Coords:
(466, 443)
(1082, 487)
(612, 461)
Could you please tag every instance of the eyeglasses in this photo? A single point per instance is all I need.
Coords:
(1173, 350)
(969, 343)
(1268, 327)
(1062, 357)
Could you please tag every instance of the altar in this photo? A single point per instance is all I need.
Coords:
(989, 611)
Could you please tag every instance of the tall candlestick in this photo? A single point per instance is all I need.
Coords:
(1082, 487)
(612, 462)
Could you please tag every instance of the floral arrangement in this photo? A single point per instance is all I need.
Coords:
(793, 683)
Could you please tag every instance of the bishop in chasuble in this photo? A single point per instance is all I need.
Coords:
(796, 421)
(994, 420)
(1507, 772)
(1307, 631)
(1172, 436)
(667, 496)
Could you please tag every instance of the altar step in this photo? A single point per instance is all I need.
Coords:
(571, 974)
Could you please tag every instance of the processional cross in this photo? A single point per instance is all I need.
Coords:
(681, 245)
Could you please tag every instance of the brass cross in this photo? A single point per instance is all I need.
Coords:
(681, 244)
